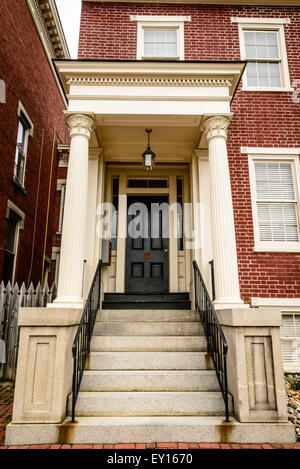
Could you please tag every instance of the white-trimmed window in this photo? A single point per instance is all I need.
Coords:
(25, 129)
(290, 340)
(160, 37)
(15, 222)
(61, 187)
(262, 45)
(274, 183)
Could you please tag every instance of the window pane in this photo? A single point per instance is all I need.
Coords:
(172, 35)
(21, 134)
(273, 53)
(275, 80)
(171, 50)
(160, 36)
(149, 35)
(260, 38)
(149, 50)
(263, 80)
(251, 52)
(262, 52)
(272, 39)
(249, 38)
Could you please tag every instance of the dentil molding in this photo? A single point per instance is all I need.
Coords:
(130, 80)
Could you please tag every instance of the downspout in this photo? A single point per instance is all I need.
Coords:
(48, 205)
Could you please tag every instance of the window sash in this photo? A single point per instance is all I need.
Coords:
(276, 203)
(258, 53)
(21, 148)
(161, 48)
(290, 338)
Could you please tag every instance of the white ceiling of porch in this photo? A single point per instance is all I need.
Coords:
(124, 138)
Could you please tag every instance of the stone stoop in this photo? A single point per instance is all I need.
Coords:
(149, 378)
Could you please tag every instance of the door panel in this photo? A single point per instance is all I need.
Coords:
(147, 245)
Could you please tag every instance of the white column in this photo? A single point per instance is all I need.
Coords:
(223, 232)
(74, 222)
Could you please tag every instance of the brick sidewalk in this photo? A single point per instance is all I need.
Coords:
(161, 446)
(6, 397)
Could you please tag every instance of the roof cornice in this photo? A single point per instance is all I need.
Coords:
(48, 24)
(212, 2)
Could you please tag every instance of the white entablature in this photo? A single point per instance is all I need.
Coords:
(147, 87)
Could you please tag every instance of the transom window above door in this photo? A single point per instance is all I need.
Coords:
(160, 37)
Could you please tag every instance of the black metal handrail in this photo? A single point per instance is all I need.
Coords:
(81, 344)
(216, 342)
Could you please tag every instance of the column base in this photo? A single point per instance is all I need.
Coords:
(67, 302)
(228, 303)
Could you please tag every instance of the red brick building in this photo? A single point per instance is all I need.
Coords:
(31, 125)
(184, 149)
(264, 124)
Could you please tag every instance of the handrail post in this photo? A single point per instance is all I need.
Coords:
(217, 345)
(81, 344)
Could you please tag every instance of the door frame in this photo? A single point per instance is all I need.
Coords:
(166, 257)
(165, 171)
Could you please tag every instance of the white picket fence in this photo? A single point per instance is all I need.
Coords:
(11, 299)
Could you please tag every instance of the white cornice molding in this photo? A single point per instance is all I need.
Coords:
(40, 21)
(269, 151)
(48, 24)
(166, 18)
(209, 2)
(279, 302)
(242, 20)
(129, 80)
(149, 74)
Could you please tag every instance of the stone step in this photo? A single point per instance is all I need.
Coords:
(148, 343)
(110, 430)
(149, 361)
(171, 305)
(147, 315)
(101, 404)
(118, 328)
(148, 297)
(153, 380)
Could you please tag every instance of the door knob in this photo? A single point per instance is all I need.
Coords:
(166, 250)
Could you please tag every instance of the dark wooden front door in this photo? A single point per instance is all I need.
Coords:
(147, 245)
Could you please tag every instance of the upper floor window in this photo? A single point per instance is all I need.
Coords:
(25, 129)
(15, 222)
(160, 37)
(275, 202)
(262, 45)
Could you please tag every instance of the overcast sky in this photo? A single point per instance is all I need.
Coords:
(69, 12)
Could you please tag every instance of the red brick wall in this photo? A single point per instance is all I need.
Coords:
(260, 119)
(28, 77)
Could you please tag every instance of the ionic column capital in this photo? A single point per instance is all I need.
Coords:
(80, 124)
(216, 126)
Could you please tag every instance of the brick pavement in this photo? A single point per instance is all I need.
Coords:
(171, 446)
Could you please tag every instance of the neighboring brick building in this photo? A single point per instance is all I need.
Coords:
(31, 117)
(107, 32)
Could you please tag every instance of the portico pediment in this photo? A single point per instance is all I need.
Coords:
(125, 97)
(118, 87)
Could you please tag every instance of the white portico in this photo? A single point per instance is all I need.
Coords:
(187, 105)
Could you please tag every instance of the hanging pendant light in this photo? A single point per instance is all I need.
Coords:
(148, 155)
